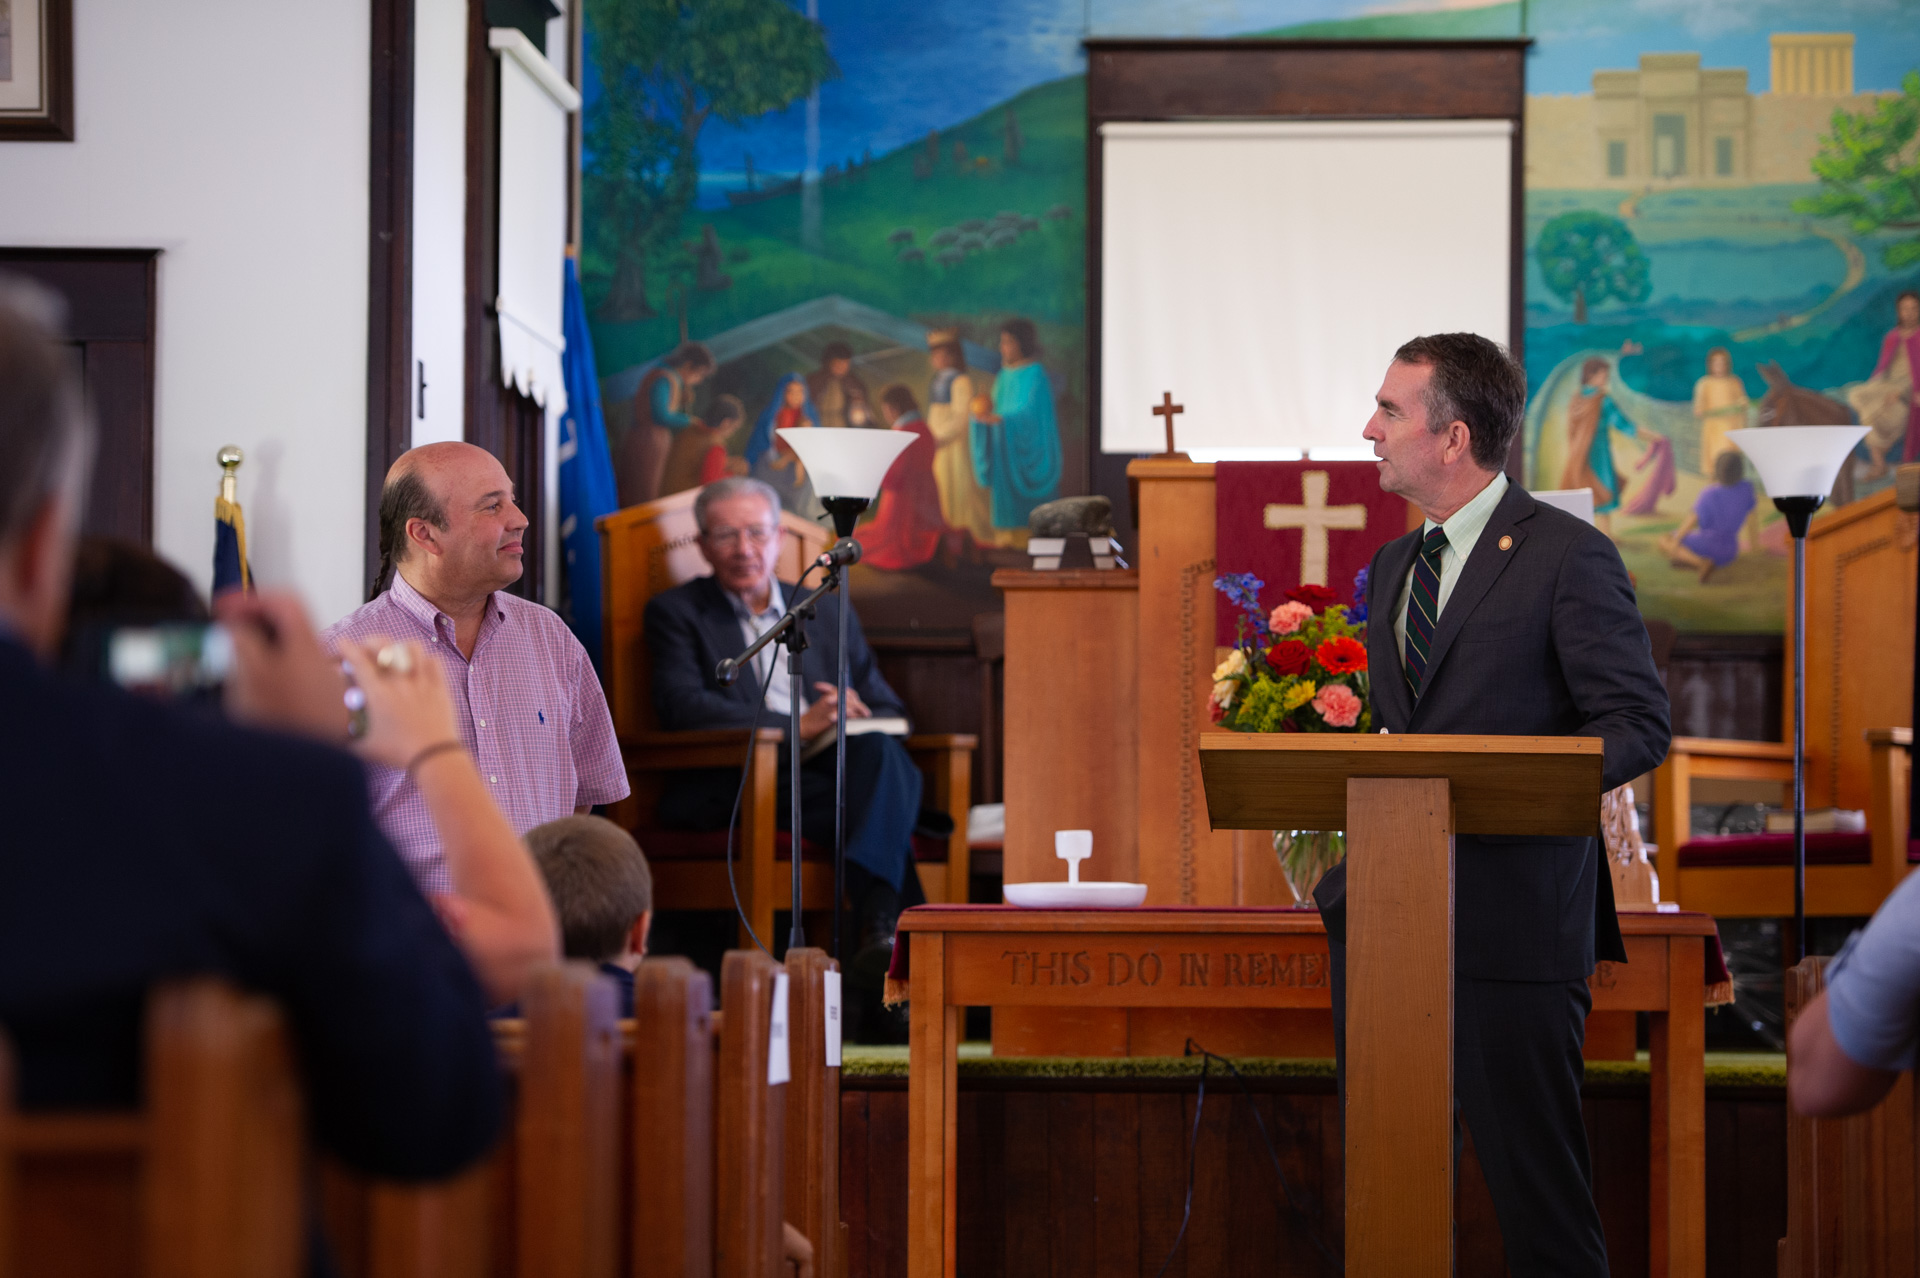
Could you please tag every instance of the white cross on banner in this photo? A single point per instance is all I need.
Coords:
(1314, 518)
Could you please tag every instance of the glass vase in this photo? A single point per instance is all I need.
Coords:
(1306, 855)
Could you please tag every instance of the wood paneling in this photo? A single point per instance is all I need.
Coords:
(111, 297)
(1119, 1214)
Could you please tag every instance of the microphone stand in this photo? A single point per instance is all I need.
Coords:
(845, 512)
(790, 631)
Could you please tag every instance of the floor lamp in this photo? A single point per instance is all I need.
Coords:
(846, 466)
(1798, 465)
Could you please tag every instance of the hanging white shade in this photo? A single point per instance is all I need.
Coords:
(1798, 461)
(846, 461)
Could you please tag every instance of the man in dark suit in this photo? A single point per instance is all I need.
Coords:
(692, 628)
(145, 841)
(1504, 616)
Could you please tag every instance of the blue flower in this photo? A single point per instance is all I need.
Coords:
(1358, 612)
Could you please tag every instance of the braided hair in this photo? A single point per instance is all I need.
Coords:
(405, 498)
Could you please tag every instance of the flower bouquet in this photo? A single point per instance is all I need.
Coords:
(1300, 667)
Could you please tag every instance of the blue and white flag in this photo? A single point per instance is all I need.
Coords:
(587, 489)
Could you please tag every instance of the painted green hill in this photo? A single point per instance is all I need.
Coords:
(1039, 273)
(1442, 24)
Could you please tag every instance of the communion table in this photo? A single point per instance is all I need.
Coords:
(1231, 961)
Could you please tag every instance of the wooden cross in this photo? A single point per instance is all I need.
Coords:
(1167, 409)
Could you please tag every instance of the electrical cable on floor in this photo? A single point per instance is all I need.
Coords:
(753, 737)
(1306, 1223)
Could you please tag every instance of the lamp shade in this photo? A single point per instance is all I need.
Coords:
(1798, 461)
(846, 461)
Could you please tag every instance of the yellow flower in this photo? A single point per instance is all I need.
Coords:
(1298, 696)
(1236, 663)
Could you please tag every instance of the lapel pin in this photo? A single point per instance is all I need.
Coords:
(1506, 543)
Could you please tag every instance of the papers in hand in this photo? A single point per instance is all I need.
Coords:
(893, 726)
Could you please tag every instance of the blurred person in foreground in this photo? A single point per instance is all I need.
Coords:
(1850, 1045)
(527, 702)
(222, 849)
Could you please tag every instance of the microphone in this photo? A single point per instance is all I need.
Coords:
(843, 553)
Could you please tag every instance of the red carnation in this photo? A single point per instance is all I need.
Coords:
(1342, 655)
(1289, 657)
(1316, 597)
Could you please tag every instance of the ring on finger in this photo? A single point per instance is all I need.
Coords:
(395, 658)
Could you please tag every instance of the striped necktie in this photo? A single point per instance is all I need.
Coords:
(1423, 608)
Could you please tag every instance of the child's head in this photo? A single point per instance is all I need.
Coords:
(1719, 361)
(1729, 467)
(1596, 372)
(600, 885)
(726, 410)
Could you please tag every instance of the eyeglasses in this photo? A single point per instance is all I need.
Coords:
(726, 538)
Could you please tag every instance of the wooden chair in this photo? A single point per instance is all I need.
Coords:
(204, 1182)
(1751, 876)
(1851, 1182)
(650, 548)
(813, 1113)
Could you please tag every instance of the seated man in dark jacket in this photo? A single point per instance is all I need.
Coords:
(692, 628)
(144, 841)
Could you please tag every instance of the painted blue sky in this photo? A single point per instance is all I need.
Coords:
(908, 68)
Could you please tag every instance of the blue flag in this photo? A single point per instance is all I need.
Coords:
(587, 489)
(229, 545)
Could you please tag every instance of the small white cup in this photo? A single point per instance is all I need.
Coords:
(1073, 847)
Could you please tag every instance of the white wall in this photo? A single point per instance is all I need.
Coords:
(232, 135)
(440, 216)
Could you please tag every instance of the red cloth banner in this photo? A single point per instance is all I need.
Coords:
(1294, 523)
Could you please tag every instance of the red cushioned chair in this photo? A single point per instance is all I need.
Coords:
(649, 548)
(1751, 875)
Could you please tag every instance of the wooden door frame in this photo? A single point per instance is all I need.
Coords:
(389, 258)
(1158, 80)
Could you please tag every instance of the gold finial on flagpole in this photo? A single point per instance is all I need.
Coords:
(230, 458)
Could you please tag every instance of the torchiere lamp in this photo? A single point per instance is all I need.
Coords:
(1798, 465)
(846, 466)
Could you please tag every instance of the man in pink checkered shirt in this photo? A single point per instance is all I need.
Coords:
(529, 704)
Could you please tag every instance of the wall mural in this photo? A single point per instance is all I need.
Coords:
(876, 218)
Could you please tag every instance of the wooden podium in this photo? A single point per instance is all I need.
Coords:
(1401, 799)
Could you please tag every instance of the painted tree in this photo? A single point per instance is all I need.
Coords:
(1014, 140)
(1869, 172)
(1588, 258)
(666, 68)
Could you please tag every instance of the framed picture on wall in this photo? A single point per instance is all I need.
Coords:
(36, 70)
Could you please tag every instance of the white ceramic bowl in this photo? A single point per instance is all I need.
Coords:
(1057, 896)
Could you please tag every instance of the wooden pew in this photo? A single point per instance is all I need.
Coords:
(813, 1113)
(205, 1182)
(1851, 1182)
(676, 1174)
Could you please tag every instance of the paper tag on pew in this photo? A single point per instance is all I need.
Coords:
(779, 1065)
(830, 991)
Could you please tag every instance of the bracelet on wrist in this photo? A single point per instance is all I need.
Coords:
(438, 747)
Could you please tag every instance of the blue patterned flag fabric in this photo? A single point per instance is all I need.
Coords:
(586, 474)
(1423, 607)
(230, 570)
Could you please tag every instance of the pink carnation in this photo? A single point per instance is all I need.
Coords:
(1338, 705)
(1289, 617)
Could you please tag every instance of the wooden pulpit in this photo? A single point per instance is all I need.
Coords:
(1401, 799)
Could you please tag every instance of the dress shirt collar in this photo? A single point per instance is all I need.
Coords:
(776, 602)
(1465, 525)
(434, 621)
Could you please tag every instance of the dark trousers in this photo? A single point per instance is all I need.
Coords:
(1516, 1082)
(883, 802)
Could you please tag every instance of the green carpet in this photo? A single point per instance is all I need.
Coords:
(1724, 1069)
